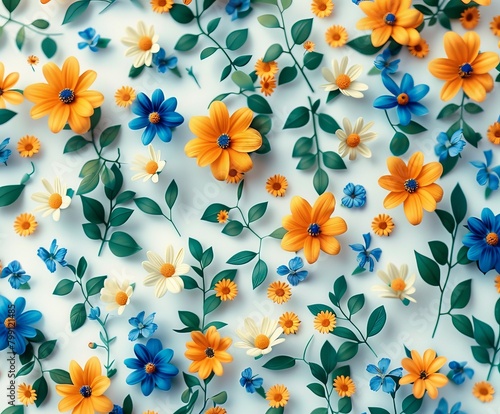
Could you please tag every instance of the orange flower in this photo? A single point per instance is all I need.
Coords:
(412, 185)
(6, 92)
(391, 18)
(465, 67)
(312, 228)
(65, 98)
(223, 141)
(422, 372)
(207, 352)
(481, 2)
(470, 18)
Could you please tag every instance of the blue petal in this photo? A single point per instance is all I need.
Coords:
(375, 383)
(404, 115)
(385, 102)
(172, 119)
(489, 157)
(136, 376)
(142, 353)
(478, 164)
(157, 99)
(376, 253)
(142, 105)
(163, 383)
(29, 317)
(134, 363)
(388, 385)
(418, 92)
(149, 319)
(133, 334)
(488, 259)
(488, 219)
(148, 134)
(82, 45)
(155, 346)
(164, 356)
(296, 263)
(165, 133)
(169, 105)
(139, 123)
(417, 108)
(493, 183)
(373, 369)
(357, 247)
(482, 177)
(367, 238)
(301, 274)
(283, 270)
(147, 385)
(390, 85)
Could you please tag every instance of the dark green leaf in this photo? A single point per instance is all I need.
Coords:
(75, 143)
(25, 370)
(171, 194)
(302, 147)
(333, 161)
(212, 24)
(279, 233)
(148, 206)
(483, 333)
(458, 204)
(428, 269)
(78, 316)
(444, 21)
(280, 362)
(320, 181)
(46, 348)
(317, 308)
(64, 287)
(220, 398)
(10, 193)
(439, 251)
(328, 357)
(297, 118)
(454, 8)
(119, 216)
(114, 188)
(327, 123)
(81, 267)
(412, 128)
(497, 311)
(49, 47)
(424, 9)
(447, 220)
(461, 295)
(236, 39)
(463, 325)
(127, 405)
(109, 135)
(273, 52)
(312, 60)
(207, 257)
(470, 135)
(39, 337)
(94, 285)
(88, 184)
(224, 274)
(376, 321)
(6, 115)
(211, 303)
(103, 42)
(122, 244)
(259, 105)
(287, 74)
(257, 211)
(356, 303)
(233, 228)
(75, 10)
(11, 5)
(480, 354)
(346, 333)
(93, 210)
(462, 256)
(240, 189)
(212, 211)
(186, 42)
(399, 144)
(190, 380)
(269, 20)
(317, 389)
(242, 60)
(107, 177)
(261, 123)
(134, 72)
(207, 52)
(306, 162)
(320, 410)
(195, 248)
(41, 387)
(224, 74)
(27, 356)
(301, 31)
(259, 273)
(347, 351)
(345, 405)
(473, 108)
(189, 282)
(376, 410)
(448, 110)
(432, 3)
(190, 319)
(216, 324)
(448, 164)
(181, 14)
(318, 372)
(60, 376)
(92, 231)
(20, 38)
(411, 405)
(339, 288)
(364, 45)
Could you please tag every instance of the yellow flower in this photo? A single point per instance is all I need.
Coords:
(150, 412)
(65, 98)
(28, 146)
(420, 50)
(469, 18)
(216, 410)
(309, 46)
(26, 394)
(234, 176)
(277, 396)
(6, 85)
(277, 185)
(322, 8)
(325, 322)
(226, 289)
(336, 36)
(382, 225)
(267, 85)
(125, 96)
(222, 216)
(32, 60)
(480, 2)
(344, 386)
(266, 68)
(493, 133)
(161, 6)
(495, 25)
(483, 391)
(142, 44)
(25, 224)
(497, 283)
(279, 292)
(290, 323)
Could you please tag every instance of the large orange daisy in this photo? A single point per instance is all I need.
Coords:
(223, 141)
(465, 67)
(412, 185)
(391, 18)
(312, 228)
(65, 98)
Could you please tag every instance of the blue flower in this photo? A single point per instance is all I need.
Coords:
(152, 367)
(94, 313)
(483, 240)
(293, 272)
(116, 410)
(15, 327)
(53, 256)
(157, 115)
(443, 408)
(5, 152)
(17, 276)
(355, 196)
(91, 39)
(383, 63)
(404, 98)
(365, 255)
(250, 382)
(484, 176)
(449, 147)
(459, 372)
(143, 328)
(233, 7)
(163, 62)
(383, 378)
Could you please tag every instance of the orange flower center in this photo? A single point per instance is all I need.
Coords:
(266, 67)
(343, 81)
(322, 7)
(28, 147)
(411, 185)
(492, 239)
(398, 285)
(55, 201)
(423, 375)
(1, 91)
(417, 48)
(483, 391)
(403, 99)
(27, 393)
(145, 43)
(336, 36)
(86, 391)
(224, 141)
(10, 323)
(225, 290)
(390, 19)
(279, 292)
(261, 341)
(353, 140)
(125, 97)
(209, 352)
(66, 96)
(382, 225)
(288, 323)
(325, 322)
(277, 397)
(154, 117)
(162, 3)
(167, 270)
(151, 167)
(343, 387)
(465, 70)
(277, 186)
(121, 298)
(150, 368)
(25, 225)
(232, 173)
(314, 230)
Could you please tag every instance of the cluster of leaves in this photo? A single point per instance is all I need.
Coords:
(444, 11)
(308, 149)
(10, 193)
(191, 394)
(76, 9)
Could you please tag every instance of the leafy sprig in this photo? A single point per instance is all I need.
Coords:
(444, 11)
(76, 9)
(400, 142)
(10, 193)
(106, 342)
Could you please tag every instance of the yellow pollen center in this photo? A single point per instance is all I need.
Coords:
(279, 292)
(398, 285)
(289, 323)
(492, 239)
(145, 43)
(125, 97)
(402, 99)
(154, 117)
(151, 167)
(353, 140)
(121, 298)
(28, 147)
(343, 81)
(26, 225)
(225, 290)
(150, 368)
(55, 201)
(325, 322)
(278, 397)
(261, 341)
(10, 323)
(382, 225)
(167, 270)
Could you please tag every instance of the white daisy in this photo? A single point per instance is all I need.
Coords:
(343, 79)
(116, 294)
(396, 284)
(54, 200)
(352, 140)
(142, 43)
(148, 167)
(165, 274)
(259, 340)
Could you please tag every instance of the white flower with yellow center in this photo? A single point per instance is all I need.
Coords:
(352, 139)
(54, 200)
(143, 43)
(164, 275)
(259, 340)
(148, 168)
(116, 294)
(344, 79)
(396, 283)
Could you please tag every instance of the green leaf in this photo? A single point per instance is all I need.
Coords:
(279, 233)
(46, 348)
(240, 189)
(259, 273)
(107, 177)
(448, 110)
(20, 38)
(346, 333)
(458, 204)
(108, 135)
(287, 74)
(242, 60)
(78, 316)
(94, 285)
(306, 162)
(259, 105)
(399, 144)
(318, 372)
(75, 143)
(148, 206)
(439, 251)
(25, 369)
(480, 354)
(60, 376)
(189, 282)
(211, 303)
(93, 210)
(212, 25)
(190, 319)
(208, 51)
(297, 118)
(269, 20)
(27, 356)
(347, 351)
(463, 325)
(224, 74)
(261, 123)
(171, 194)
(461, 295)
(345, 405)
(190, 380)
(411, 405)
(49, 47)
(483, 333)
(454, 8)
(312, 60)
(212, 210)
(280, 362)
(119, 216)
(470, 135)
(6, 115)
(207, 257)
(302, 147)
(356, 303)
(81, 268)
(301, 31)
(195, 248)
(219, 398)
(333, 161)
(376, 321)
(75, 10)
(64, 287)
(327, 123)
(113, 189)
(462, 256)
(447, 220)
(412, 128)
(127, 405)
(242, 80)
(224, 274)
(428, 269)
(339, 288)
(233, 228)
(320, 181)
(317, 308)
(320, 410)
(88, 184)
(286, 4)
(186, 42)
(448, 164)
(41, 387)
(236, 39)
(432, 3)
(134, 72)
(257, 211)
(181, 14)
(125, 196)
(444, 21)
(497, 311)
(11, 5)
(122, 244)
(273, 52)
(376, 410)
(364, 45)
(103, 42)
(10, 193)
(317, 389)
(328, 357)
(424, 9)
(92, 231)
(473, 108)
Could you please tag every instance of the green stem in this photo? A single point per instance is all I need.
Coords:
(363, 339)
(107, 224)
(492, 364)
(40, 364)
(315, 132)
(83, 292)
(99, 151)
(205, 399)
(393, 395)
(27, 26)
(462, 111)
(389, 119)
(106, 344)
(203, 289)
(172, 222)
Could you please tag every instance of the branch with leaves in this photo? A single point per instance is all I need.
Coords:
(10, 193)
(76, 9)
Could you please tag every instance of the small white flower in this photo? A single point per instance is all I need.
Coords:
(396, 284)
(117, 294)
(54, 200)
(259, 340)
(344, 79)
(148, 168)
(143, 43)
(352, 140)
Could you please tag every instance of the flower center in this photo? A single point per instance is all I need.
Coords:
(162, 3)
(336, 36)
(423, 375)
(154, 117)
(66, 96)
(86, 391)
(167, 270)
(492, 239)
(28, 147)
(343, 81)
(232, 173)
(223, 141)
(140, 325)
(276, 186)
(125, 97)
(27, 393)
(289, 323)
(279, 292)
(151, 167)
(417, 48)
(225, 290)
(344, 387)
(403, 99)
(390, 19)
(266, 67)
(277, 397)
(382, 225)
(150, 368)
(465, 70)
(411, 185)
(121, 298)
(313, 229)
(325, 322)
(1, 91)
(26, 225)
(353, 140)
(322, 7)
(209, 352)
(398, 284)
(10, 323)
(483, 391)
(261, 341)
(145, 43)
(55, 200)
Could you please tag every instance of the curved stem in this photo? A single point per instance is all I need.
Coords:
(462, 111)
(107, 224)
(83, 292)
(205, 399)
(106, 344)
(389, 119)
(27, 26)
(394, 403)
(172, 222)
(315, 131)
(492, 364)
(363, 339)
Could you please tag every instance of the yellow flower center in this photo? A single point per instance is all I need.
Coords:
(492, 239)
(353, 140)
(66, 96)
(261, 341)
(55, 201)
(277, 397)
(151, 167)
(10, 323)
(167, 270)
(154, 117)
(398, 284)
(411, 185)
(343, 81)
(403, 99)
(279, 292)
(150, 368)
(209, 352)
(145, 43)
(288, 323)
(325, 322)
(121, 298)
(28, 147)
(465, 70)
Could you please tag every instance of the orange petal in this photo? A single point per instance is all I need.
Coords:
(224, 344)
(77, 123)
(240, 121)
(430, 173)
(219, 117)
(85, 80)
(53, 75)
(311, 249)
(199, 339)
(443, 68)
(294, 240)
(485, 62)
(323, 208)
(76, 373)
(99, 385)
(10, 80)
(435, 191)
(70, 73)
(436, 364)
(414, 37)
(400, 35)
(102, 404)
(439, 380)
(413, 209)
(486, 80)
(301, 211)
(14, 98)
(202, 128)
(397, 167)
(329, 245)
(247, 141)
(208, 154)
(66, 390)
(472, 42)
(95, 98)
(394, 199)
(418, 388)
(408, 18)
(224, 356)
(428, 202)
(415, 164)
(451, 88)
(455, 48)
(474, 89)
(82, 107)
(92, 370)
(334, 226)
(220, 167)
(381, 35)
(391, 183)
(69, 402)
(197, 147)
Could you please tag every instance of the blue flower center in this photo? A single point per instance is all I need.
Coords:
(86, 391)
(411, 185)
(314, 229)
(66, 96)
(140, 326)
(223, 141)
(465, 70)
(390, 19)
